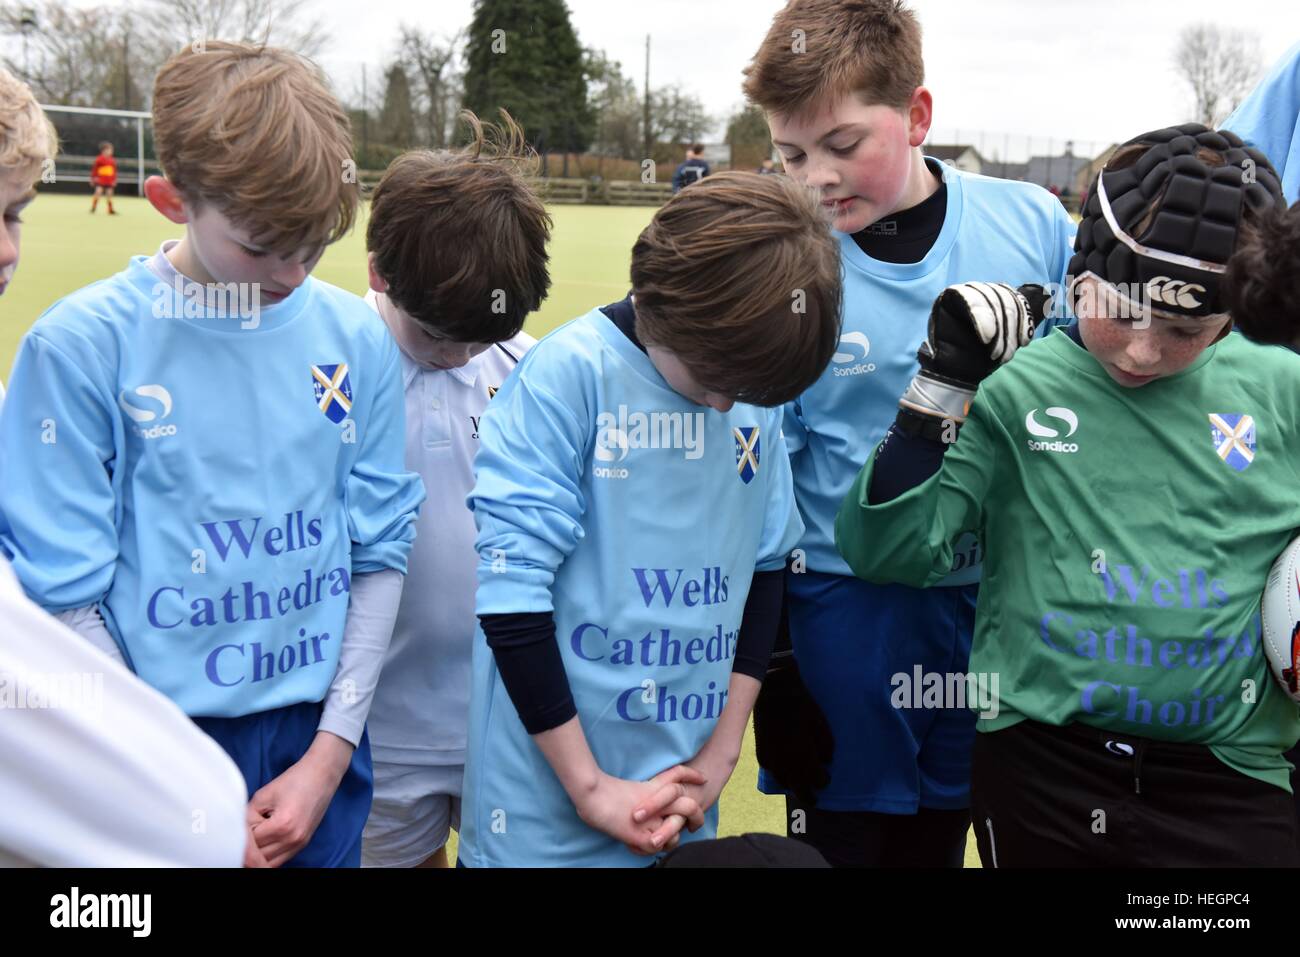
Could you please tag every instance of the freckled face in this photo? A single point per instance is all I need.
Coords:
(1134, 352)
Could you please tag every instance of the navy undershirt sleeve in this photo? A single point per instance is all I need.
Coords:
(532, 669)
(904, 460)
(758, 624)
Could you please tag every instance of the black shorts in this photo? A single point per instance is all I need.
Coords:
(1075, 796)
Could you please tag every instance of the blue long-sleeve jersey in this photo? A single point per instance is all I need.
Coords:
(639, 519)
(211, 478)
(1269, 119)
(994, 230)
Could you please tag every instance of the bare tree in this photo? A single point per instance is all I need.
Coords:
(282, 23)
(434, 65)
(77, 56)
(1221, 65)
(678, 116)
(613, 97)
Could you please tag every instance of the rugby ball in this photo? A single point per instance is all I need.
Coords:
(1280, 610)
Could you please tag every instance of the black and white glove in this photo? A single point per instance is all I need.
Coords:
(974, 328)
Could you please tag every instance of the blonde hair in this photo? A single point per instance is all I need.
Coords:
(27, 138)
(256, 132)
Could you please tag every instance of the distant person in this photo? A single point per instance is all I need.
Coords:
(691, 171)
(103, 174)
(1269, 120)
(768, 169)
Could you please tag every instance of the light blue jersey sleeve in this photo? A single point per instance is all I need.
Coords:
(1064, 229)
(782, 525)
(57, 500)
(1269, 120)
(383, 499)
(526, 500)
(793, 428)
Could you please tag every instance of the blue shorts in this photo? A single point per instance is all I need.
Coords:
(850, 638)
(265, 745)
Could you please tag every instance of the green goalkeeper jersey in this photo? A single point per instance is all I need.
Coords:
(1127, 536)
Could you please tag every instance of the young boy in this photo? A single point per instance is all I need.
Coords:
(457, 251)
(633, 519)
(130, 771)
(202, 455)
(692, 170)
(841, 83)
(1133, 481)
(103, 175)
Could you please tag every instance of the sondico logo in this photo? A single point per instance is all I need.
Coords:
(142, 413)
(1035, 427)
(850, 362)
(1175, 292)
(618, 432)
(611, 446)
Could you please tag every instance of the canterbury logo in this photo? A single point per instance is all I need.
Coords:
(1046, 431)
(852, 339)
(149, 392)
(1175, 292)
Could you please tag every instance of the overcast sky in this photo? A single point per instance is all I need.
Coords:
(1094, 71)
(1091, 70)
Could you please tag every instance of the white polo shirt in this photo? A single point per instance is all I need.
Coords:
(420, 713)
(99, 769)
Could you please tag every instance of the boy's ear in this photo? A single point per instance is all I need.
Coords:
(1227, 328)
(377, 282)
(166, 198)
(920, 114)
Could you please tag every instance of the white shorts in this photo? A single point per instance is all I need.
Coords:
(415, 807)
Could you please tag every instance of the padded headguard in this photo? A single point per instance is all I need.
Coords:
(1171, 256)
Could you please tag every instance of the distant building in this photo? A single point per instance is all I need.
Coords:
(963, 156)
(1016, 171)
(717, 154)
(1088, 173)
(1060, 172)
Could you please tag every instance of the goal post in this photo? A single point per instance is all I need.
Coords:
(80, 126)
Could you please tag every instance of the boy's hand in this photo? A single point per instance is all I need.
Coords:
(974, 328)
(285, 813)
(714, 766)
(609, 808)
(253, 856)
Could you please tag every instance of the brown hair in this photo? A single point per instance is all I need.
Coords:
(27, 137)
(460, 237)
(739, 278)
(256, 132)
(819, 50)
(1262, 286)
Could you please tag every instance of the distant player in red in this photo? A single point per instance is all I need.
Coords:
(103, 174)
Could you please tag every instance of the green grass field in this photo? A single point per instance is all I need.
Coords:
(64, 248)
